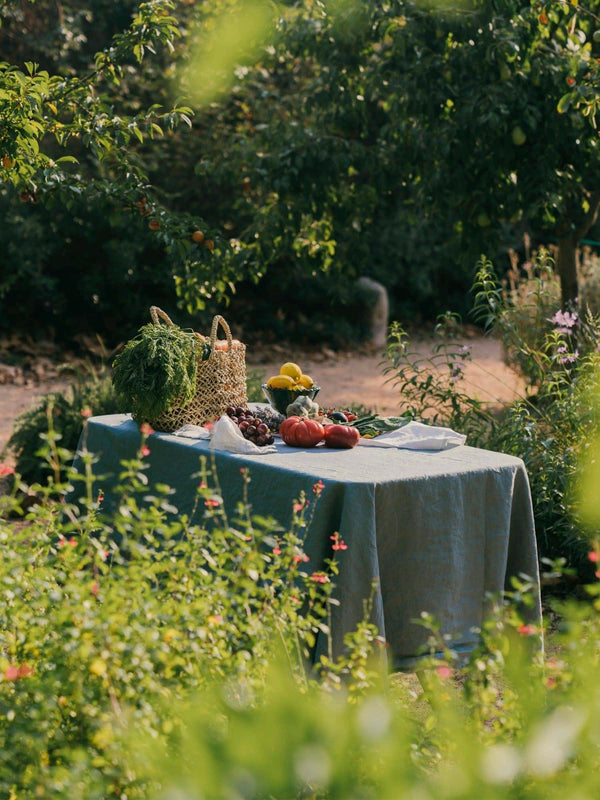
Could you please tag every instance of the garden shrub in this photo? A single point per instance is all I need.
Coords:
(91, 392)
(108, 619)
(550, 427)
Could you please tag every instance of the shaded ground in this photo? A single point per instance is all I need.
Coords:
(345, 378)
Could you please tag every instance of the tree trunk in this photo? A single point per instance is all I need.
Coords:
(566, 264)
(566, 259)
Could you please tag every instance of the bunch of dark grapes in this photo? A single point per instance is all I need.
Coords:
(252, 427)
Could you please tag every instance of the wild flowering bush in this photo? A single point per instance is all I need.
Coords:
(146, 655)
(108, 620)
(549, 428)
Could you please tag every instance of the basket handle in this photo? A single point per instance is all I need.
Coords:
(218, 320)
(156, 312)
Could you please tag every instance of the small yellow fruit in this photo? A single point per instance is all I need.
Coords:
(291, 369)
(280, 382)
(306, 381)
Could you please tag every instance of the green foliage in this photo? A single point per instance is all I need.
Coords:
(149, 654)
(156, 370)
(109, 619)
(430, 386)
(550, 428)
(64, 413)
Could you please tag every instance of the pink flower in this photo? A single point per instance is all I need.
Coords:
(86, 412)
(146, 429)
(319, 577)
(15, 671)
(594, 556)
(202, 485)
(11, 673)
(301, 557)
(212, 502)
(277, 550)
(6, 470)
(297, 507)
(338, 542)
(100, 495)
(318, 487)
(527, 630)
(145, 451)
(62, 542)
(564, 321)
(444, 672)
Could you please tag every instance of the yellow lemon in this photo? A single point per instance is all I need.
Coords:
(291, 369)
(306, 381)
(280, 382)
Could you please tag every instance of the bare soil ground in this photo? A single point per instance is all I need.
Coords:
(346, 378)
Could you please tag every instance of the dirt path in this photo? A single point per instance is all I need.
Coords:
(351, 378)
(346, 378)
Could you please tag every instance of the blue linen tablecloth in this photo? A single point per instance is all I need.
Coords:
(439, 531)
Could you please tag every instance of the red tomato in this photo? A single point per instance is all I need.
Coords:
(342, 436)
(301, 432)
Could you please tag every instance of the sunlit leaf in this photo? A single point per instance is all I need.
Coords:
(235, 39)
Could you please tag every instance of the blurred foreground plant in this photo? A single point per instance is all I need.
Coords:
(109, 619)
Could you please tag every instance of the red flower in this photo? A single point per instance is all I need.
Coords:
(202, 485)
(146, 429)
(338, 543)
(318, 487)
(571, 81)
(277, 550)
(100, 495)
(6, 470)
(299, 558)
(319, 577)
(25, 671)
(297, 507)
(145, 451)
(212, 502)
(594, 556)
(86, 412)
(527, 630)
(444, 672)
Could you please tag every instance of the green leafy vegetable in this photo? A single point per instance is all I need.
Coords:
(157, 370)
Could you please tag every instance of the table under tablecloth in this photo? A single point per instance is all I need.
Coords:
(439, 532)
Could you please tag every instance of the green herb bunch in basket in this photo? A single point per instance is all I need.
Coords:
(170, 377)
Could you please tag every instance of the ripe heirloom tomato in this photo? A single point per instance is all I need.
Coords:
(342, 436)
(301, 432)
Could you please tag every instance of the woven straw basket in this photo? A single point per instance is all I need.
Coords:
(220, 380)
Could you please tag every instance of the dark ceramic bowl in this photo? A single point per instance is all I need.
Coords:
(280, 399)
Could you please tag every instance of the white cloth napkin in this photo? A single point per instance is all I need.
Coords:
(192, 432)
(227, 436)
(417, 436)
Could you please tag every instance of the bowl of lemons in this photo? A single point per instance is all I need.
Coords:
(281, 390)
